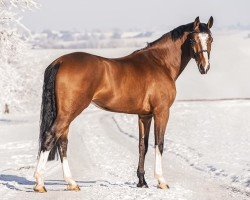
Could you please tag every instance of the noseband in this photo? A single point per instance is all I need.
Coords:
(196, 54)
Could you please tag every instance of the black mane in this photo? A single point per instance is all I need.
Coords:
(177, 33)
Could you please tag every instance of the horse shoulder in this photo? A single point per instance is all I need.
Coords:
(164, 92)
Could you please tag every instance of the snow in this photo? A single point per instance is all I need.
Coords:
(103, 155)
(207, 143)
(206, 132)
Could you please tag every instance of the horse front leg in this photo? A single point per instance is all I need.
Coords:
(160, 122)
(144, 128)
(62, 148)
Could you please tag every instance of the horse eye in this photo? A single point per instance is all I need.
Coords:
(211, 39)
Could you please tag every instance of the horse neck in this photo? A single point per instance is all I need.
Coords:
(173, 56)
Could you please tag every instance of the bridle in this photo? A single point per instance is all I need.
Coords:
(196, 54)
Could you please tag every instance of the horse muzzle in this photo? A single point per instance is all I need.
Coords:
(203, 70)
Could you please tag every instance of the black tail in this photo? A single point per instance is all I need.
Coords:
(48, 107)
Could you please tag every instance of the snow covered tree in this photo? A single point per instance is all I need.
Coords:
(15, 71)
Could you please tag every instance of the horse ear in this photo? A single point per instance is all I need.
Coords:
(210, 22)
(196, 22)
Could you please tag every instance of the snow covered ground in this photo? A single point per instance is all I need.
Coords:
(206, 146)
(206, 155)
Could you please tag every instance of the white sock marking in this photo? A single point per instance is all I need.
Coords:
(203, 39)
(158, 165)
(40, 168)
(66, 172)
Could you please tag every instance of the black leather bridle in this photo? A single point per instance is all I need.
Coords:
(196, 54)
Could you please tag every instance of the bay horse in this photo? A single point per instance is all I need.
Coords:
(141, 83)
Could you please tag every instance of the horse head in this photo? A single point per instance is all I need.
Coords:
(200, 44)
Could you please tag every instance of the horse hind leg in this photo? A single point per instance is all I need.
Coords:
(56, 136)
(49, 141)
(39, 172)
(62, 149)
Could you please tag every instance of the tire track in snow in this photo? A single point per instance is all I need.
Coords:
(103, 161)
(109, 121)
(191, 157)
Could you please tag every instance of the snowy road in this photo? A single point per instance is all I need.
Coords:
(103, 155)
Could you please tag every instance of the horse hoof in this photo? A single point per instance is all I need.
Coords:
(142, 185)
(163, 186)
(75, 188)
(40, 189)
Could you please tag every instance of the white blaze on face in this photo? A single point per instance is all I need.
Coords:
(158, 165)
(203, 37)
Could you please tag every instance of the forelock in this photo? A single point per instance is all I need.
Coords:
(203, 28)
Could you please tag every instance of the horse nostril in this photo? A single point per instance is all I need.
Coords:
(207, 68)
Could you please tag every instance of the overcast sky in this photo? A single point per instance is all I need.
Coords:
(140, 14)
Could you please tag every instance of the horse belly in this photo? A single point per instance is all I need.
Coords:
(124, 104)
